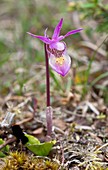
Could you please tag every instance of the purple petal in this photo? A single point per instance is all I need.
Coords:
(61, 68)
(61, 37)
(58, 46)
(73, 32)
(57, 29)
(42, 38)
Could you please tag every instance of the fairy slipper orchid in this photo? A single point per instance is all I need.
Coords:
(59, 60)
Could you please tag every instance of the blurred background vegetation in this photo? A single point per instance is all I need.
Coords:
(22, 69)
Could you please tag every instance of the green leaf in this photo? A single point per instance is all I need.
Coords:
(4, 149)
(32, 140)
(99, 78)
(41, 149)
(56, 80)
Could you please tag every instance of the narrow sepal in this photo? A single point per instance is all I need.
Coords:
(57, 29)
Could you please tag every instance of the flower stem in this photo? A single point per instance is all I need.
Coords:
(49, 111)
(47, 76)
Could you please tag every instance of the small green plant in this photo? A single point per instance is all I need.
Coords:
(32, 143)
(3, 150)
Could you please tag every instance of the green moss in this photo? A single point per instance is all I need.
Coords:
(21, 161)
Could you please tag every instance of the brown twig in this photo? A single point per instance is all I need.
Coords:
(25, 120)
(8, 142)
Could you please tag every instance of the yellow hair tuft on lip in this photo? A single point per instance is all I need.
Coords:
(60, 60)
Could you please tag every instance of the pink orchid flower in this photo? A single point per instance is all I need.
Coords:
(59, 60)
